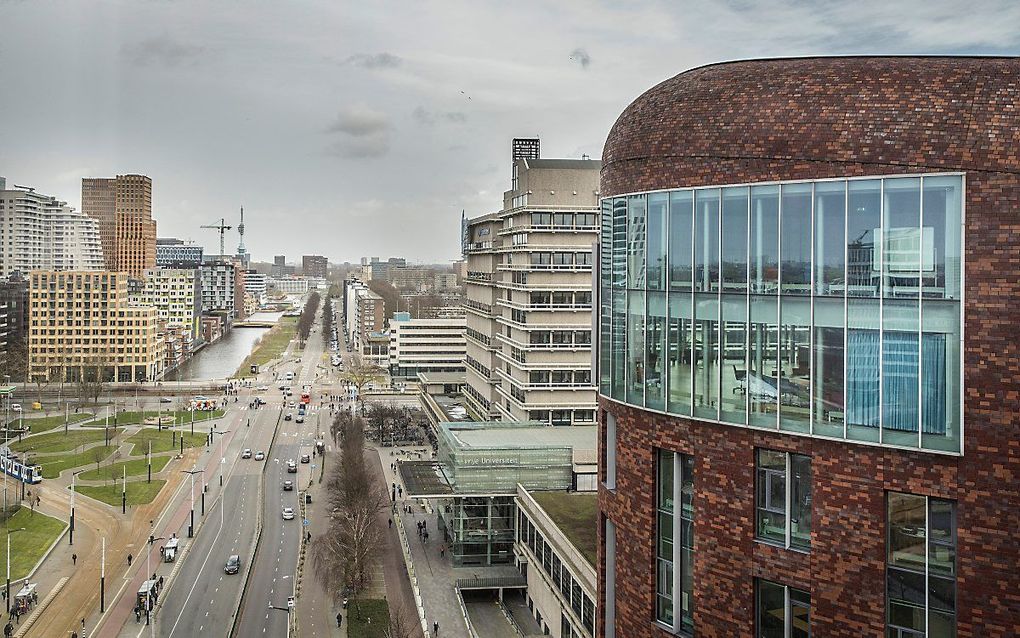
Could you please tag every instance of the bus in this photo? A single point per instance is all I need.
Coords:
(12, 466)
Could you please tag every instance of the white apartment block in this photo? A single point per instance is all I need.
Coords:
(425, 345)
(39, 232)
(364, 316)
(289, 285)
(217, 285)
(256, 284)
(529, 297)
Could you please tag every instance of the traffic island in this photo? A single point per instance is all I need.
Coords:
(36, 533)
(40, 424)
(138, 492)
(54, 442)
(163, 440)
(54, 464)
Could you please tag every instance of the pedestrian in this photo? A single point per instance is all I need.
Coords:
(129, 560)
(390, 521)
(74, 634)
(435, 628)
(339, 619)
(442, 551)
(138, 614)
(74, 559)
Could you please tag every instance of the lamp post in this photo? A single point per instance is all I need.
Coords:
(223, 459)
(148, 459)
(148, 600)
(9, 532)
(102, 579)
(123, 493)
(192, 472)
(70, 534)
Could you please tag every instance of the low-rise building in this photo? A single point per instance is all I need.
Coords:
(425, 345)
(289, 285)
(83, 326)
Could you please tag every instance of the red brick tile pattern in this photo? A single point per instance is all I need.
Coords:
(834, 117)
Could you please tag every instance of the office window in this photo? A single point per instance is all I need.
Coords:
(920, 567)
(781, 611)
(783, 498)
(675, 541)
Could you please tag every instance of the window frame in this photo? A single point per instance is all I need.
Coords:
(788, 495)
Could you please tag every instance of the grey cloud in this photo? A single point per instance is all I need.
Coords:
(360, 148)
(382, 60)
(162, 50)
(429, 118)
(359, 121)
(581, 56)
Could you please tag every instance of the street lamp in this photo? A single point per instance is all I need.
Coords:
(148, 590)
(9, 532)
(70, 535)
(223, 459)
(192, 472)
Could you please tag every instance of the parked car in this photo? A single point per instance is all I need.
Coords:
(246, 454)
(260, 456)
(288, 513)
(233, 564)
(165, 400)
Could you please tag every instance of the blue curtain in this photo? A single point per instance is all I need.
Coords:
(862, 406)
(933, 383)
(899, 381)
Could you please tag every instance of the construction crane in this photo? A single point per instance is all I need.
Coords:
(223, 228)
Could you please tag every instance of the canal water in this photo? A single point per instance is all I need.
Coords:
(219, 360)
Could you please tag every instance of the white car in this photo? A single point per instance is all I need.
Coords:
(260, 455)
(288, 513)
(246, 454)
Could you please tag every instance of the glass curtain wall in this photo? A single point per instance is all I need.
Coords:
(829, 308)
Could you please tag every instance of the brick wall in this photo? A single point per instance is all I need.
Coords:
(816, 118)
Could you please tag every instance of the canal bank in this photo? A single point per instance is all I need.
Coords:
(221, 359)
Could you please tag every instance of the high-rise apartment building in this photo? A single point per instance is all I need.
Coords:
(173, 293)
(314, 266)
(122, 206)
(39, 232)
(82, 325)
(529, 296)
(807, 369)
(218, 283)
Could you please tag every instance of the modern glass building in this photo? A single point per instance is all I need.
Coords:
(807, 289)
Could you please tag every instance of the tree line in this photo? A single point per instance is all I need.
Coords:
(307, 318)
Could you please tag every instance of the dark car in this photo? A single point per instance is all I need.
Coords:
(233, 565)
(288, 486)
(306, 458)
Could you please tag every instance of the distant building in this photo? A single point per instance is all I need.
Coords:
(175, 253)
(256, 284)
(70, 341)
(314, 266)
(280, 267)
(39, 232)
(382, 269)
(289, 285)
(445, 281)
(14, 297)
(173, 293)
(122, 206)
(218, 280)
(363, 315)
(425, 345)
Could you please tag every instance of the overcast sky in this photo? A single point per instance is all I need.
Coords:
(360, 128)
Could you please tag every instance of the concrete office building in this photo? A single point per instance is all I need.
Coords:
(808, 389)
(529, 296)
(445, 281)
(82, 325)
(175, 253)
(122, 206)
(425, 345)
(314, 266)
(288, 285)
(39, 232)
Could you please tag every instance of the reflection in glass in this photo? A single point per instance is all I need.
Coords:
(655, 352)
(830, 238)
(664, 546)
(763, 261)
(800, 501)
(771, 610)
(903, 245)
(620, 243)
(619, 344)
(706, 356)
(680, 339)
(763, 346)
(636, 348)
(681, 240)
(827, 372)
(795, 239)
(734, 239)
(863, 224)
(940, 375)
(733, 395)
(656, 243)
(792, 377)
(636, 230)
(941, 217)
(771, 496)
(706, 240)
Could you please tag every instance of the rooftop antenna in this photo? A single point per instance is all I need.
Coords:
(240, 230)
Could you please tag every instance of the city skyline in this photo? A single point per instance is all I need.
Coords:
(381, 120)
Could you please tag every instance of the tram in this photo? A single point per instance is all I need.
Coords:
(12, 466)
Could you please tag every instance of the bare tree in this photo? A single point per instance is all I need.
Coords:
(98, 453)
(403, 624)
(361, 372)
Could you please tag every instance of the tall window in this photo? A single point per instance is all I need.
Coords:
(784, 498)
(921, 567)
(674, 550)
(781, 611)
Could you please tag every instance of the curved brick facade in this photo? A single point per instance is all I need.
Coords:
(816, 118)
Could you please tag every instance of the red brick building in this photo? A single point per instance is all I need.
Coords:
(808, 353)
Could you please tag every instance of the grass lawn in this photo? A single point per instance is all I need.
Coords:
(360, 611)
(576, 515)
(138, 492)
(135, 467)
(53, 465)
(271, 346)
(45, 423)
(60, 442)
(27, 547)
(180, 416)
(161, 441)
